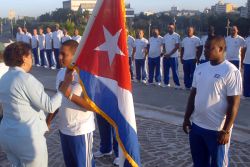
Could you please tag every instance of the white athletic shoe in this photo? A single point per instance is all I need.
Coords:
(116, 162)
(157, 84)
(144, 81)
(164, 85)
(99, 154)
(177, 87)
(53, 68)
(37, 65)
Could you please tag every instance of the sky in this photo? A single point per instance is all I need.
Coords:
(38, 7)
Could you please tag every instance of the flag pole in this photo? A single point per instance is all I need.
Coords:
(87, 30)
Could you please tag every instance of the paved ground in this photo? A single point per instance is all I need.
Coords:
(167, 99)
(159, 116)
(162, 145)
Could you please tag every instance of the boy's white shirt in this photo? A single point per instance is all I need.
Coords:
(74, 120)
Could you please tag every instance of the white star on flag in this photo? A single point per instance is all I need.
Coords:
(111, 45)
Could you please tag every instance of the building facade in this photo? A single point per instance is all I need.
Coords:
(222, 7)
(76, 4)
(90, 4)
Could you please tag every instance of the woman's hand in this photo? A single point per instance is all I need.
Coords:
(69, 76)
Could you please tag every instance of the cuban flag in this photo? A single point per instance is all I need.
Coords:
(103, 67)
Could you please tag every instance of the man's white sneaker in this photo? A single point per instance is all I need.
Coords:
(177, 87)
(53, 68)
(116, 162)
(158, 84)
(99, 154)
(144, 81)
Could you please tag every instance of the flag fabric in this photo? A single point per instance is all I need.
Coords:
(103, 67)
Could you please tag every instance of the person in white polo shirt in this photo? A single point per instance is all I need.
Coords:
(35, 45)
(139, 54)
(171, 45)
(246, 62)
(235, 44)
(56, 43)
(212, 107)
(48, 48)
(76, 121)
(131, 41)
(19, 34)
(3, 70)
(76, 36)
(65, 36)
(189, 56)
(154, 57)
(41, 41)
(26, 36)
(204, 39)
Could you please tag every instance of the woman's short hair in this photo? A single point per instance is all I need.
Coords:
(13, 54)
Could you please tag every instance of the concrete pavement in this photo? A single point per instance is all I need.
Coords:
(159, 114)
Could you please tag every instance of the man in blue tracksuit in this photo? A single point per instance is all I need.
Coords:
(139, 54)
(154, 57)
(213, 106)
(171, 45)
(246, 62)
(108, 140)
(189, 55)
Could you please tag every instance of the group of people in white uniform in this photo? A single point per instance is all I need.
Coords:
(151, 60)
(45, 47)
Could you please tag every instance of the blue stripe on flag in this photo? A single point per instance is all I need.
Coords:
(107, 101)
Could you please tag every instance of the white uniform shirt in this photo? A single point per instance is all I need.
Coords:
(203, 43)
(77, 38)
(48, 41)
(170, 41)
(131, 41)
(190, 45)
(41, 39)
(213, 85)
(19, 37)
(27, 37)
(140, 45)
(234, 46)
(57, 38)
(34, 41)
(74, 120)
(3, 69)
(66, 38)
(247, 55)
(155, 48)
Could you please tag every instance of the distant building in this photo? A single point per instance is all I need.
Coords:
(11, 14)
(90, 4)
(76, 4)
(188, 13)
(148, 13)
(174, 10)
(243, 12)
(222, 7)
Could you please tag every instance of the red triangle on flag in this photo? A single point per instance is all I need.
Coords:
(104, 52)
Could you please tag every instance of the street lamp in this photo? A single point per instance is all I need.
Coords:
(11, 23)
(149, 28)
(228, 26)
(1, 27)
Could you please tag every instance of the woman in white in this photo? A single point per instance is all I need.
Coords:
(24, 106)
